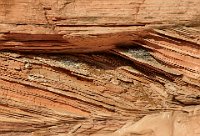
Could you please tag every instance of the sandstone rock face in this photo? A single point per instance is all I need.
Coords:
(82, 25)
(144, 79)
(164, 124)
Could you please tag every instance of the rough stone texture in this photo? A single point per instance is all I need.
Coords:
(98, 93)
(148, 63)
(87, 25)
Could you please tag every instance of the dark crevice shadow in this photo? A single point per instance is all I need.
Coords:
(98, 60)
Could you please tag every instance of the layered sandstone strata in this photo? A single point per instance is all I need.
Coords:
(124, 67)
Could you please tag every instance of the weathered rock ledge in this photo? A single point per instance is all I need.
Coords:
(91, 67)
